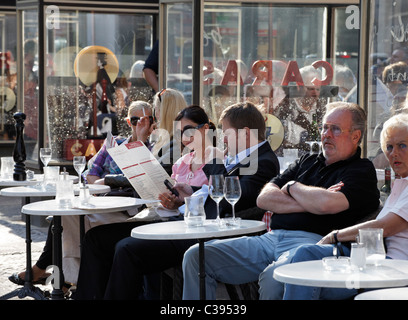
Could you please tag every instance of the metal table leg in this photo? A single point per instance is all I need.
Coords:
(201, 256)
(57, 293)
(28, 290)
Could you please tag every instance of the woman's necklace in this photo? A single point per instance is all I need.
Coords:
(190, 174)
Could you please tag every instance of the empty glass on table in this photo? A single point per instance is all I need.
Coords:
(45, 156)
(216, 191)
(79, 163)
(232, 192)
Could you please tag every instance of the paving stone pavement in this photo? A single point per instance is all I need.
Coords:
(12, 242)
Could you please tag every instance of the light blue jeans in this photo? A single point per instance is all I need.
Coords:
(242, 260)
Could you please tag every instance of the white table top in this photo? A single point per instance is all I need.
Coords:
(38, 178)
(97, 205)
(34, 191)
(384, 294)
(178, 230)
(391, 273)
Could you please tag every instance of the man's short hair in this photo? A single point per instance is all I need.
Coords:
(358, 114)
(245, 114)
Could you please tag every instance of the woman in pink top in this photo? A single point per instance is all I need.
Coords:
(196, 134)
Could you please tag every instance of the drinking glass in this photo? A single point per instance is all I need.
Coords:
(232, 192)
(216, 191)
(358, 255)
(45, 155)
(79, 163)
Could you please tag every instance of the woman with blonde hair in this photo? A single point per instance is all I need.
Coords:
(167, 104)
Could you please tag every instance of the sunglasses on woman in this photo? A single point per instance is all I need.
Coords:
(134, 120)
(189, 131)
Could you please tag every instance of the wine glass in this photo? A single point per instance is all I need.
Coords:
(216, 191)
(45, 156)
(232, 192)
(79, 165)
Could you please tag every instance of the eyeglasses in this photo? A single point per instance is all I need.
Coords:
(160, 94)
(335, 129)
(134, 120)
(188, 131)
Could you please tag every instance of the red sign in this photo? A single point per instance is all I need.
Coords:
(82, 147)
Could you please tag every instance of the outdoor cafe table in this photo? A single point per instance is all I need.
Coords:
(384, 294)
(38, 178)
(390, 273)
(50, 207)
(178, 230)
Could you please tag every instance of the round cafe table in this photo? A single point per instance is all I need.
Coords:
(38, 178)
(384, 294)
(95, 205)
(390, 273)
(178, 230)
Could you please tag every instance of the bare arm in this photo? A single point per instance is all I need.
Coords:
(94, 179)
(151, 78)
(274, 199)
(390, 223)
(302, 198)
(319, 200)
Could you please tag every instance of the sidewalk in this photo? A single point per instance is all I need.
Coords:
(12, 242)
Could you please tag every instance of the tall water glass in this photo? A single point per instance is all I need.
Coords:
(7, 167)
(372, 238)
(232, 192)
(216, 191)
(64, 194)
(358, 255)
(194, 215)
(79, 163)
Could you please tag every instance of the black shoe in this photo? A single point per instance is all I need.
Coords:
(17, 280)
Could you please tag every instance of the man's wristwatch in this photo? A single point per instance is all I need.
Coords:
(289, 184)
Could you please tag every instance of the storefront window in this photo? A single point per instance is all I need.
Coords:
(8, 80)
(388, 78)
(93, 72)
(288, 59)
(30, 80)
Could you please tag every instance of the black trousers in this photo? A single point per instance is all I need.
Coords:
(113, 264)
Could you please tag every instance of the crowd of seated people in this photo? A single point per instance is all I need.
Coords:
(318, 193)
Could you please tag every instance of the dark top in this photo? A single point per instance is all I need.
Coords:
(254, 172)
(360, 189)
(152, 61)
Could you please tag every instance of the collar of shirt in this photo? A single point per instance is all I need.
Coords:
(230, 163)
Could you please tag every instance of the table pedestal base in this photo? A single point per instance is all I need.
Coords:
(28, 290)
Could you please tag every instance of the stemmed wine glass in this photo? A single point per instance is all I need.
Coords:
(216, 191)
(45, 156)
(232, 192)
(79, 165)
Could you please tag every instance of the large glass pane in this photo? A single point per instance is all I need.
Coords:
(272, 55)
(264, 53)
(94, 71)
(178, 66)
(8, 76)
(30, 82)
(388, 78)
(387, 81)
(345, 55)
